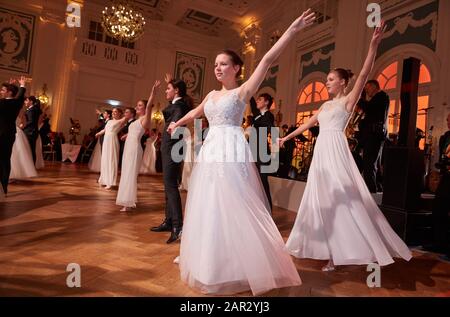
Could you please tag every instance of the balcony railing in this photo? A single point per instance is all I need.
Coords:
(109, 56)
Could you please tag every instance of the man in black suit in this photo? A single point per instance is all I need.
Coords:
(11, 102)
(373, 132)
(263, 121)
(31, 128)
(179, 106)
(441, 203)
(130, 115)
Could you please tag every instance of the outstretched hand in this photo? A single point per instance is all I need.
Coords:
(306, 19)
(156, 85)
(167, 78)
(171, 128)
(280, 142)
(378, 33)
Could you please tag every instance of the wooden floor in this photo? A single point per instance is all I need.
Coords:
(64, 217)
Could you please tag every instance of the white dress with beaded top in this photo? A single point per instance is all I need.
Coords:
(230, 243)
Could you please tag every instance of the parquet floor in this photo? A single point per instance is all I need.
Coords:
(63, 217)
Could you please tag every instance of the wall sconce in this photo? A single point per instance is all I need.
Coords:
(43, 98)
(158, 116)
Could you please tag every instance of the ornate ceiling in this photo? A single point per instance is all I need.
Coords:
(209, 17)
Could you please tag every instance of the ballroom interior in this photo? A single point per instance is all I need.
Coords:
(75, 67)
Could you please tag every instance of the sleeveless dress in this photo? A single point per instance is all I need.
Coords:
(131, 163)
(230, 243)
(110, 154)
(338, 219)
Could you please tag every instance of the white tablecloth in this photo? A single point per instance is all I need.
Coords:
(70, 151)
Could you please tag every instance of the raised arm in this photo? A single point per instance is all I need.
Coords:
(308, 124)
(148, 110)
(250, 87)
(354, 95)
(195, 113)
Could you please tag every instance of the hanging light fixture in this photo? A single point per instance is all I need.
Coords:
(123, 21)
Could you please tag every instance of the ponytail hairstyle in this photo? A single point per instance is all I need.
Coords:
(182, 91)
(345, 74)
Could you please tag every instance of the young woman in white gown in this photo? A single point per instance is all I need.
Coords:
(338, 220)
(148, 165)
(110, 150)
(132, 153)
(96, 157)
(230, 243)
(22, 165)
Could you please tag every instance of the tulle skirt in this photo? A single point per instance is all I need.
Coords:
(96, 158)
(230, 243)
(22, 165)
(148, 165)
(338, 219)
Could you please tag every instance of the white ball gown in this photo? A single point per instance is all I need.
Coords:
(96, 157)
(110, 154)
(148, 165)
(338, 219)
(131, 163)
(230, 243)
(22, 165)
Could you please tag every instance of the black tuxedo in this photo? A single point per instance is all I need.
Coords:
(172, 170)
(9, 110)
(372, 133)
(31, 128)
(263, 123)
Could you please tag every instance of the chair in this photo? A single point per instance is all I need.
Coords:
(48, 151)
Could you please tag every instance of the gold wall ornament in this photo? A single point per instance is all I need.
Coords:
(43, 98)
(121, 20)
(157, 116)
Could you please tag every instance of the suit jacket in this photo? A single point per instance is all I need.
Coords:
(376, 112)
(9, 110)
(172, 113)
(32, 116)
(261, 121)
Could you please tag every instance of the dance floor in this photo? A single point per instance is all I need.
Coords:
(63, 217)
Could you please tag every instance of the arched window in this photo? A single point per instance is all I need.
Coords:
(312, 93)
(309, 100)
(390, 81)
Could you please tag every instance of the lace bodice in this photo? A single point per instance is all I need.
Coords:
(333, 115)
(228, 110)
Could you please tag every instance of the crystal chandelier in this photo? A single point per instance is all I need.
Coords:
(122, 21)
